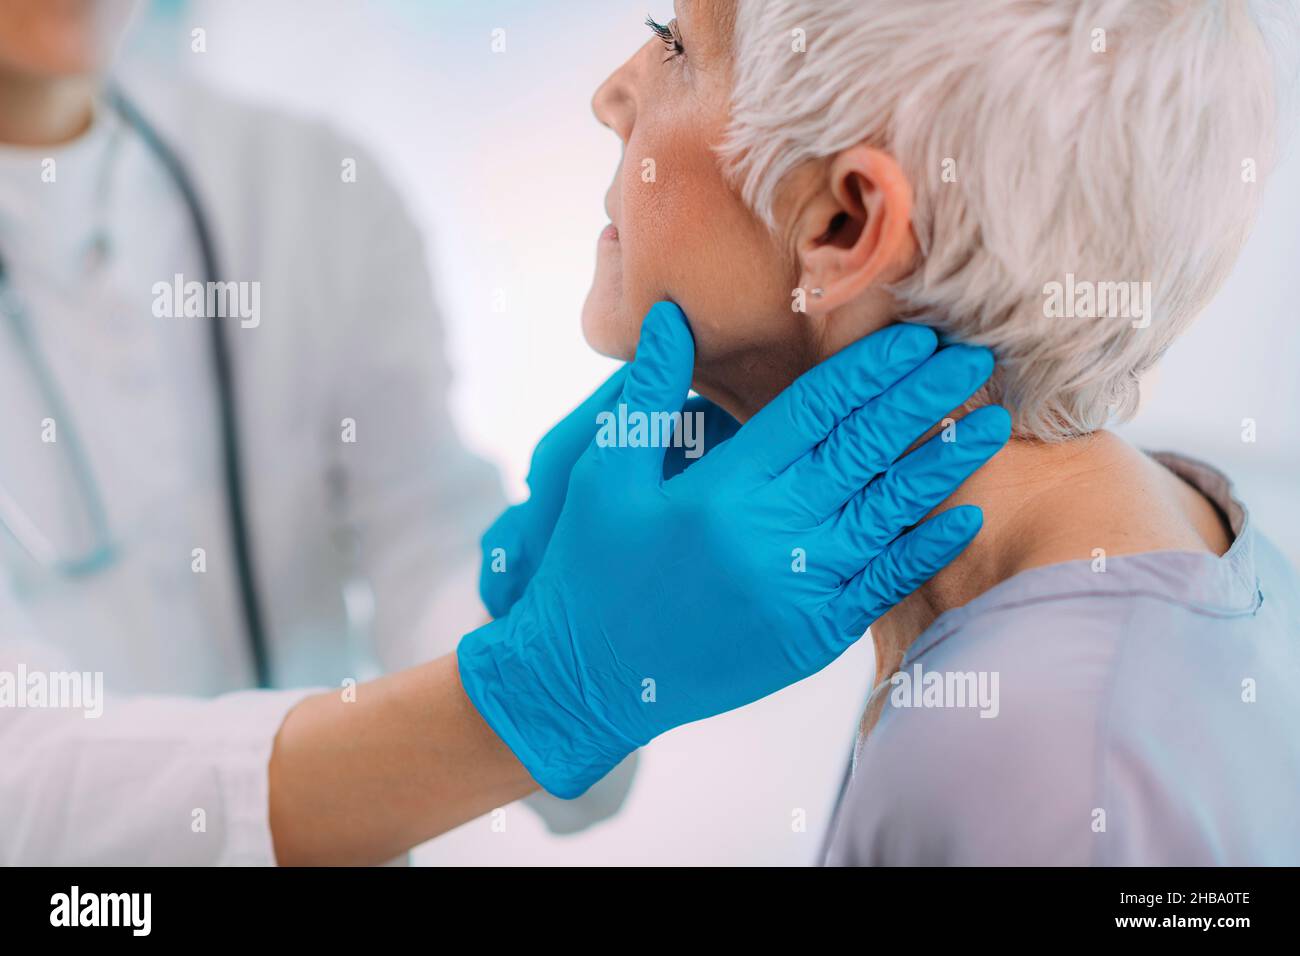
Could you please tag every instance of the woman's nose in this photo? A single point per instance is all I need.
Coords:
(614, 104)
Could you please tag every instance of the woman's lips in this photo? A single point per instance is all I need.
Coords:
(609, 233)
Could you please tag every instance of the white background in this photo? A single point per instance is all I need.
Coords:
(506, 168)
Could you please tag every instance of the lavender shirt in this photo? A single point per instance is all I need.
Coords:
(1147, 714)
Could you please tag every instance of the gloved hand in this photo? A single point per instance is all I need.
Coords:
(660, 602)
(513, 546)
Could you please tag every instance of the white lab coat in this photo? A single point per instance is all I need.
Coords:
(174, 771)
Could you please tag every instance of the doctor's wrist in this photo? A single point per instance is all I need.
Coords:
(517, 672)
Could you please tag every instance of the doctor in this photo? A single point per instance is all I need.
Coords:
(204, 505)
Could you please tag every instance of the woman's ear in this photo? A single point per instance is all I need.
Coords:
(855, 230)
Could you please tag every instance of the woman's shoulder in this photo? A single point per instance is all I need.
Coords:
(1025, 725)
(1080, 640)
(1013, 733)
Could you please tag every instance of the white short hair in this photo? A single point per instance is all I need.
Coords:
(1115, 156)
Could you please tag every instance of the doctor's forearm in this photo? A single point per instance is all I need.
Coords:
(363, 781)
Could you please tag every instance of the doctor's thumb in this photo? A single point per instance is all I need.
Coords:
(659, 378)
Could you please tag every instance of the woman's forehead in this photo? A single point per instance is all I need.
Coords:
(711, 22)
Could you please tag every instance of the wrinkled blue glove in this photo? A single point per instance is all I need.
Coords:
(513, 546)
(661, 602)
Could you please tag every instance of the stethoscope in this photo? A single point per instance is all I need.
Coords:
(104, 552)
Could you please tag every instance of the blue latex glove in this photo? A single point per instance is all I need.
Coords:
(660, 602)
(514, 545)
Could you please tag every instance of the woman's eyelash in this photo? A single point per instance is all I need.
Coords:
(669, 35)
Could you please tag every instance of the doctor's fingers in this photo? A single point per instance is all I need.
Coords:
(902, 568)
(563, 445)
(916, 484)
(801, 417)
(868, 441)
(507, 564)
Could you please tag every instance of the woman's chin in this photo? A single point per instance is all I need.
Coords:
(605, 327)
(605, 323)
(603, 337)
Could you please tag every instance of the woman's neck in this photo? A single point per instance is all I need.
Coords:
(1043, 503)
(40, 111)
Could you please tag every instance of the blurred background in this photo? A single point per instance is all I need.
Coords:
(506, 170)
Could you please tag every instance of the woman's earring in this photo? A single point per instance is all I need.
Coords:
(818, 293)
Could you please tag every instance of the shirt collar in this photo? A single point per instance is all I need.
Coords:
(52, 197)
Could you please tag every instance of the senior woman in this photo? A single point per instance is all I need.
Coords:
(1110, 674)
